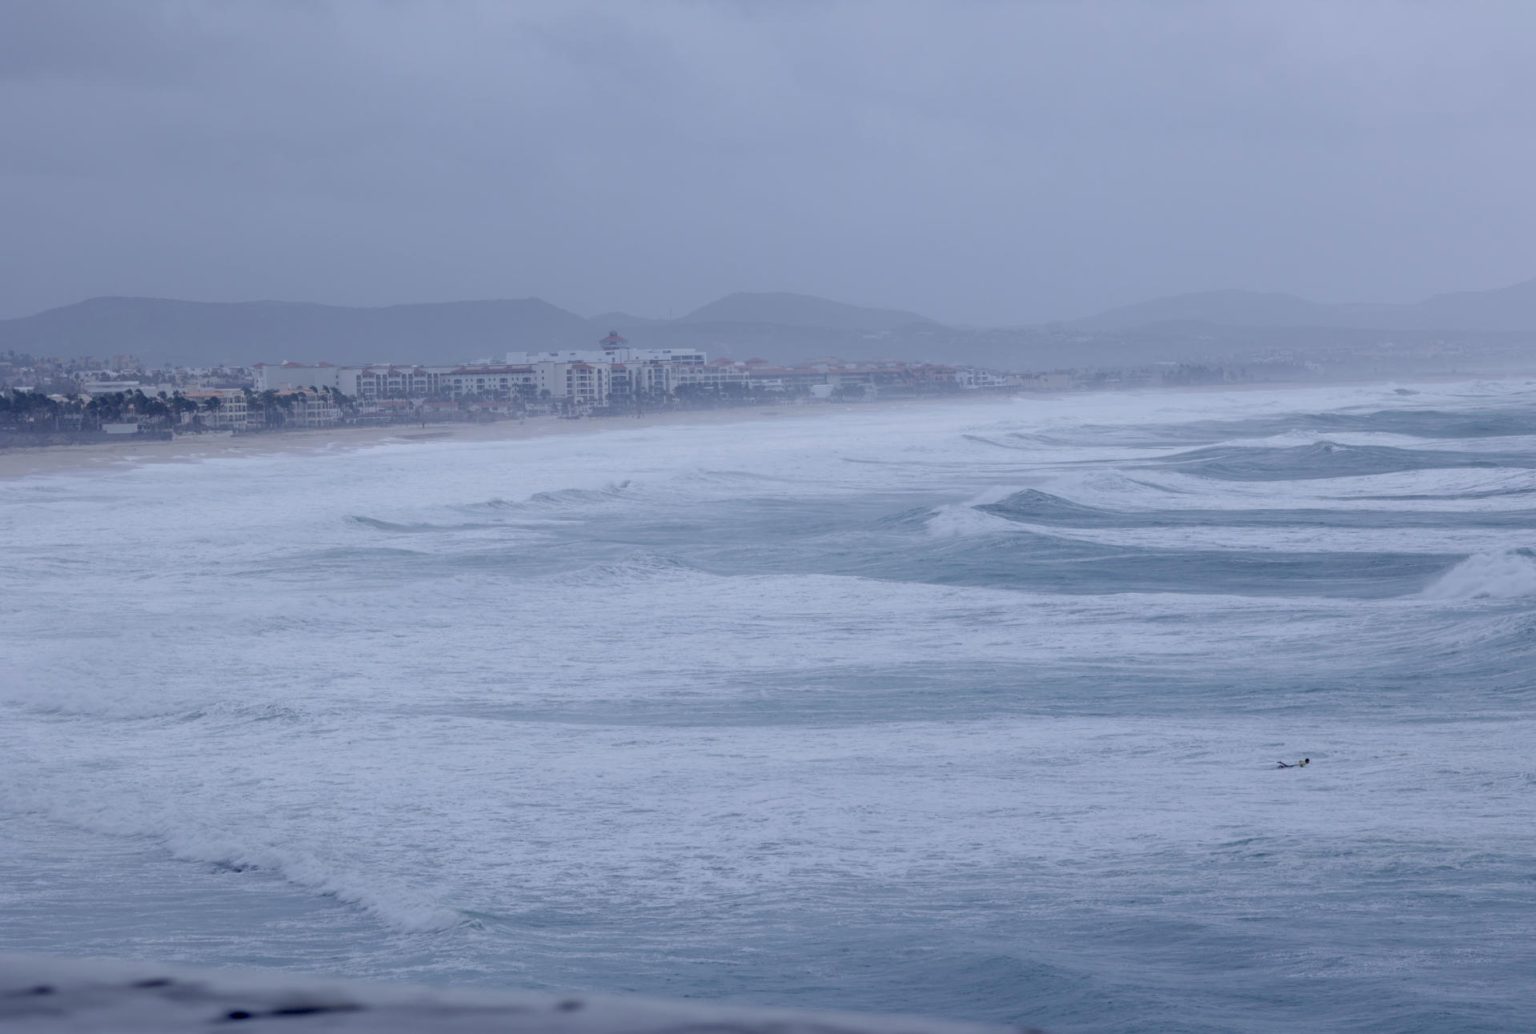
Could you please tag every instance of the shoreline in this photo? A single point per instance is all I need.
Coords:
(46, 460)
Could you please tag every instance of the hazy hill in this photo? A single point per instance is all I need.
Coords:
(1502, 309)
(161, 330)
(777, 327)
(1505, 309)
(799, 310)
(609, 320)
(1223, 308)
(781, 328)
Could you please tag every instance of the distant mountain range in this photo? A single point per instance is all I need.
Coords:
(1503, 310)
(777, 327)
(162, 330)
(800, 310)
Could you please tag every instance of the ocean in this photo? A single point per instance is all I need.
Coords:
(970, 710)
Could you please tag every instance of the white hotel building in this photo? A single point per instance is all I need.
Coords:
(585, 377)
(583, 382)
(616, 372)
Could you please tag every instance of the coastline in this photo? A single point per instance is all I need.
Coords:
(45, 460)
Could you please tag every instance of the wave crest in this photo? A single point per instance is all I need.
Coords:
(1500, 576)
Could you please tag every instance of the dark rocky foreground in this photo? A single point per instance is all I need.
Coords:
(39, 993)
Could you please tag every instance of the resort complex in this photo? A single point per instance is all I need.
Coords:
(90, 398)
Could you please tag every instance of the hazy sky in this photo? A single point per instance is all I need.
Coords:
(978, 162)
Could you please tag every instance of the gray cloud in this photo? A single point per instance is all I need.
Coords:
(983, 162)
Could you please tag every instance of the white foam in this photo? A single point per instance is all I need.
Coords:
(1290, 539)
(964, 520)
(213, 661)
(1506, 575)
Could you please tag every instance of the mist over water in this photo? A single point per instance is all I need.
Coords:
(968, 710)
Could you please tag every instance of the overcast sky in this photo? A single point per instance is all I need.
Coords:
(978, 162)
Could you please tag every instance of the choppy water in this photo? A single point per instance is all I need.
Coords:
(964, 710)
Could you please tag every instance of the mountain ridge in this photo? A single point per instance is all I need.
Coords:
(779, 326)
(781, 308)
(196, 333)
(1511, 308)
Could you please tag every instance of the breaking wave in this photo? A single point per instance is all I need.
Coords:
(1328, 459)
(1500, 576)
(996, 686)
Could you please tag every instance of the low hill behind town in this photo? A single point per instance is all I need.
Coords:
(163, 330)
(1502, 310)
(799, 310)
(781, 328)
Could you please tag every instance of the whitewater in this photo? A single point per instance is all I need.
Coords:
(970, 710)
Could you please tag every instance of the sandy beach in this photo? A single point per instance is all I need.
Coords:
(25, 461)
(63, 459)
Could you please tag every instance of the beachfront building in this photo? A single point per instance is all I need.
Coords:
(571, 379)
(971, 379)
(223, 410)
(288, 376)
(587, 385)
(617, 353)
(583, 383)
(392, 381)
(571, 383)
(823, 378)
(490, 382)
(721, 377)
(628, 382)
(309, 409)
(107, 387)
(615, 374)
(231, 409)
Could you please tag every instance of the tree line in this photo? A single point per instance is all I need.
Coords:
(26, 410)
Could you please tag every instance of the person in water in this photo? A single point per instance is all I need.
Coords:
(1303, 763)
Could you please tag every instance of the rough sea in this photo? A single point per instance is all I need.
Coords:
(970, 710)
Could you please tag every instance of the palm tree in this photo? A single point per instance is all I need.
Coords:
(345, 403)
(181, 404)
(268, 402)
(96, 410)
(156, 409)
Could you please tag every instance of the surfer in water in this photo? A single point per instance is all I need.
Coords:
(1303, 763)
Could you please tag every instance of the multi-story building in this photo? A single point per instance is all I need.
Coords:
(221, 409)
(585, 385)
(552, 380)
(491, 382)
(619, 353)
(294, 376)
(720, 377)
(310, 409)
(615, 373)
(236, 410)
(392, 381)
(972, 379)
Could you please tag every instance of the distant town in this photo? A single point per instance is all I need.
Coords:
(46, 400)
